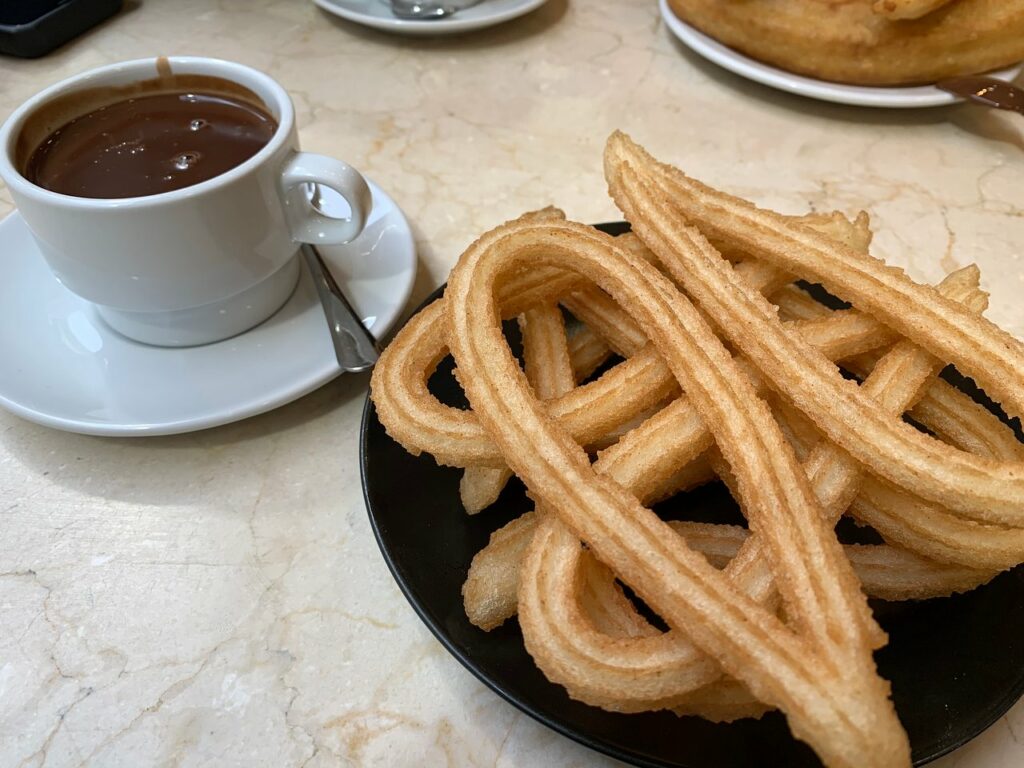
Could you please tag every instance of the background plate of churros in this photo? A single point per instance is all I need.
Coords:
(849, 55)
(693, 515)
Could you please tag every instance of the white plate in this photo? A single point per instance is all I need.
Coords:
(857, 95)
(377, 14)
(64, 367)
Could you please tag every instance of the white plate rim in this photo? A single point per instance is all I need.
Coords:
(441, 27)
(324, 372)
(837, 93)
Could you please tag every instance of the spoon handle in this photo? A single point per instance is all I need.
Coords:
(989, 91)
(354, 346)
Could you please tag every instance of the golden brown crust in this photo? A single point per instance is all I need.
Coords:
(977, 488)
(867, 42)
(770, 618)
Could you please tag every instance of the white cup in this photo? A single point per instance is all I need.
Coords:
(197, 264)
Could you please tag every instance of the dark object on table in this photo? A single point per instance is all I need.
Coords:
(956, 664)
(31, 28)
(989, 91)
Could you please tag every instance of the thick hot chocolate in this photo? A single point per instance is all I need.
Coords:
(149, 144)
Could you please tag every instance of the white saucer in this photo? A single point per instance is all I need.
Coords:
(857, 95)
(64, 367)
(377, 14)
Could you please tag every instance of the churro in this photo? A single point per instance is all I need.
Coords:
(715, 366)
(868, 42)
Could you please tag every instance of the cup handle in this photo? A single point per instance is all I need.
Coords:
(307, 224)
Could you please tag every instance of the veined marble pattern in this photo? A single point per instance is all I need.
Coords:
(217, 598)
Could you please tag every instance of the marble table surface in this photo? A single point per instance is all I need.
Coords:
(217, 598)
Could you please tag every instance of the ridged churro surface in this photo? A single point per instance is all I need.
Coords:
(690, 356)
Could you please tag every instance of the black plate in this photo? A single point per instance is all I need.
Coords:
(956, 664)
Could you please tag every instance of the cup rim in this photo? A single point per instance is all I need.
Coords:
(15, 179)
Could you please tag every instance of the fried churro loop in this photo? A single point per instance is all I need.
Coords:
(823, 678)
(662, 200)
(602, 671)
(715, 380)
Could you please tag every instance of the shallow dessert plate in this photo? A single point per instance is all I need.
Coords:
(956, 664)
(856, 95)
(62, 366)
(377, 14)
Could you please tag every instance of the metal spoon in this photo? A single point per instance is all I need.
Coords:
(354, 346)
(425, 10)
(989, 91)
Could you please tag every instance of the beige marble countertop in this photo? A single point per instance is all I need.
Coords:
(218, 598)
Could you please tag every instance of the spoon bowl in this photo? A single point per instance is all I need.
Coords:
(425, 10)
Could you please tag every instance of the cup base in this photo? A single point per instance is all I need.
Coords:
(211, 322)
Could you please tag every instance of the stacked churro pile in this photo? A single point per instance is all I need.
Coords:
(728, 371)
(871, 42)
